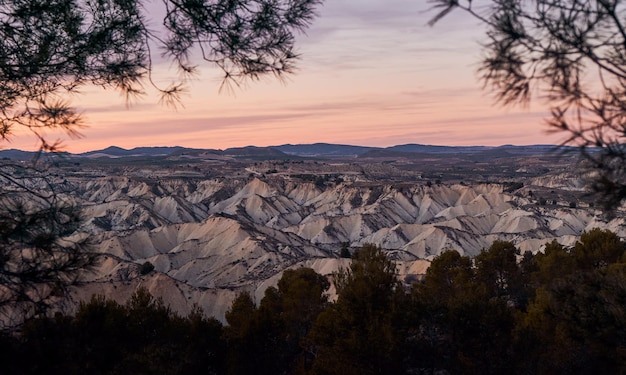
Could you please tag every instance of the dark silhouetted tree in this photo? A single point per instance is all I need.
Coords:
(553, 263)
(465, 324)
(270, 339)
(598, 248)
(356, 334)
(574, 321)
(302, 296)
(242, 335)
(497, 269)
(570, 53)
(42, 250)
(142, 336)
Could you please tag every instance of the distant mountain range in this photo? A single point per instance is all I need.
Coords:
(315, 150)
(114, 151)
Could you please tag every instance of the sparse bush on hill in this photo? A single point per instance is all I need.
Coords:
(510, 187)
(320, 182)
(146, 268)
(345, 250)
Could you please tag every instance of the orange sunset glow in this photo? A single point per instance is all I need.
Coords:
(372, 73)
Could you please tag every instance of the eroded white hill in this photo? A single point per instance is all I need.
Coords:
(210, 239)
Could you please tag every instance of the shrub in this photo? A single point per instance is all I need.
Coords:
(345, 250)
(146, 268)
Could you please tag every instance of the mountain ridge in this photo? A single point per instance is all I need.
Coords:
(285, 151)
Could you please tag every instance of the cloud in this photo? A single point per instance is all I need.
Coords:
(373, 13)
(372, 35)
(536, 117)
(113, 108)
(352, 104)
(437, 93)
(174, 125)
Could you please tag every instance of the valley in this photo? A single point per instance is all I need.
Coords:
(214, 223)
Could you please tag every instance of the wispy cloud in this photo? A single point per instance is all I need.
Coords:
(113, 108)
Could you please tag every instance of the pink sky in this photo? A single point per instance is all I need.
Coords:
(372, 73)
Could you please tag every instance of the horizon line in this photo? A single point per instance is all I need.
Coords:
(296, 144)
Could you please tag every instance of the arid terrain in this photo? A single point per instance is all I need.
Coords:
(214, 223)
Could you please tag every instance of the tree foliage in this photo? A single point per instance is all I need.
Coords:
(42, 250)
(51, 50)
(356, 334)
(462, 317)
(578, 309)
(570, 53)
(457, 301)
(104, 337)
(270, 339)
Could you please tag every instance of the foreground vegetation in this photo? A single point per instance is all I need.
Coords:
(561, 311)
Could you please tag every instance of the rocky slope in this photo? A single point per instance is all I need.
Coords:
(212, 238)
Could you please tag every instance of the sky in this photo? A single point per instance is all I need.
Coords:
(372, 73)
